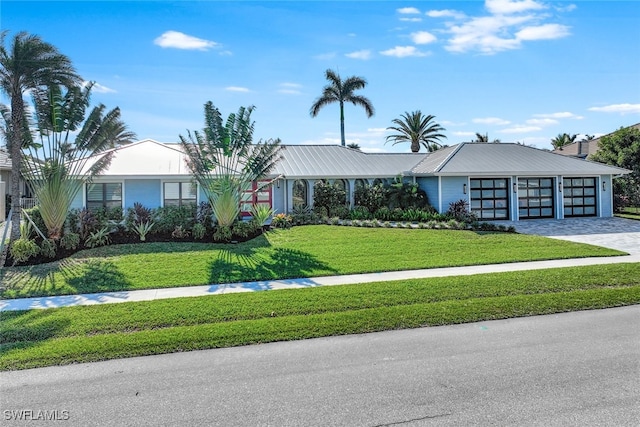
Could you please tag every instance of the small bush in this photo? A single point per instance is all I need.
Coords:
(460, 211)
(98, 238)
(198, 231)
(167, 218)
(245, 229)
(261, 214)
(70, 241)
(282, 221)
(48, 248)
(222, 233)
(143, 229)
(23, 249)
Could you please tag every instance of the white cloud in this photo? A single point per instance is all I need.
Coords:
(408, 10)
(618, 108)
(542, 122)
(446, 13)
(423, 37)
(360, 54)
(543, 32)
(491, 121)
(403, 52)
(290, 88)
(325, 56)
(521, 129)
(489, 34)
(236, 89)
(559, 115)
(464, 133)
(568, 8)
(178, 40)
(505, 7)
(411, 19)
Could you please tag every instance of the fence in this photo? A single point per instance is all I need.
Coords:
(28, 203)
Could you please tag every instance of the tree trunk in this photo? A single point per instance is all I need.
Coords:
(342, 123)
(17, 110)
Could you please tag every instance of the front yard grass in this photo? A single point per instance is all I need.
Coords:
(295, 253)
(38, 338)
(630, 213)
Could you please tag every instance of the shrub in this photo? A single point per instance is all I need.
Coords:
(198, 231)
(384, 214)
(331, 197)
(245, 229)
(23, 249)
(84, 222)
(222, 233)
(98, 238)
(138, 215)
(70, 241)
(179, 232)
(48, 248)
(204, 215)
(360, 212)
(167, 218)
(460, 211)
(302, 215)
(406, 195)
(282, 221)
(371, 197)
(36, 217)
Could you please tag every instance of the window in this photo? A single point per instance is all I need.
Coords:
(300, 193)
(490, 198)
(106, 195)
(179, 193)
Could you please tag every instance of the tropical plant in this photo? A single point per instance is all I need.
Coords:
(48, 248)
(68, 150)
(222, 233)
(484, 138)
(179, 232)
(329, 196)
(562, 140)
(342, 91)
(282, 221)
(354, 146)
(417, 129)
(261, 214)
(142, 229)
(28, 64)
(22, 249)
(70, 241)
(225, 162)
(98, 238)
(198, 231)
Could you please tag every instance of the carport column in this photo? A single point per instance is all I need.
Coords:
(312, 184)
(2, 200)
(515, 203)
(559, 198)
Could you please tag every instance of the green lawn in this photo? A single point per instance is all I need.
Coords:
(630, 213)
(298, 252)
(90, 333)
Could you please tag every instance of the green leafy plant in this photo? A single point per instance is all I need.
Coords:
(261, 213)
(198, 230)
(282, 221)
(70, 241)
(143, 229)
(222, 233)
(245, 229)
(48, 248)
(23, 249)
(98, 238)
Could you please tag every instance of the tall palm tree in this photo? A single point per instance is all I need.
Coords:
(562, 140)
(341, 91)
(417, 129)
(29, 63)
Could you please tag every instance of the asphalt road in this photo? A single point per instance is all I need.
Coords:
(573, 369)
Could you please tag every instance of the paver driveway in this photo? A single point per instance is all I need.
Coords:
(616, 233)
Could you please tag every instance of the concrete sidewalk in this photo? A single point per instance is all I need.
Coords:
(194, 291)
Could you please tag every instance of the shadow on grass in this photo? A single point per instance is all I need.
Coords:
(67, 277)
(231, 266)
(23, 329)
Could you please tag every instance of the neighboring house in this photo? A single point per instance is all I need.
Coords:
(500, 181)
(5, 172)
(583, 149)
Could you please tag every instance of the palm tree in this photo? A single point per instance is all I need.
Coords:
(225, 162)
(354, 145)
(485, 138)
(562, 140)
(418, 130)
(29, 63)
(341, 91)
(70, 150)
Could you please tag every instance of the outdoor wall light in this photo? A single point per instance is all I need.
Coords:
(604, 185)
(515, 187)
(560, 186)
(464, 188)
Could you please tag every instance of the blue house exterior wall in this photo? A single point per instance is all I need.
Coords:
(147, 192)
(451, 191)
(430, 186)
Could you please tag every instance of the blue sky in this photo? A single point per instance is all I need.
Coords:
(522, 70)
